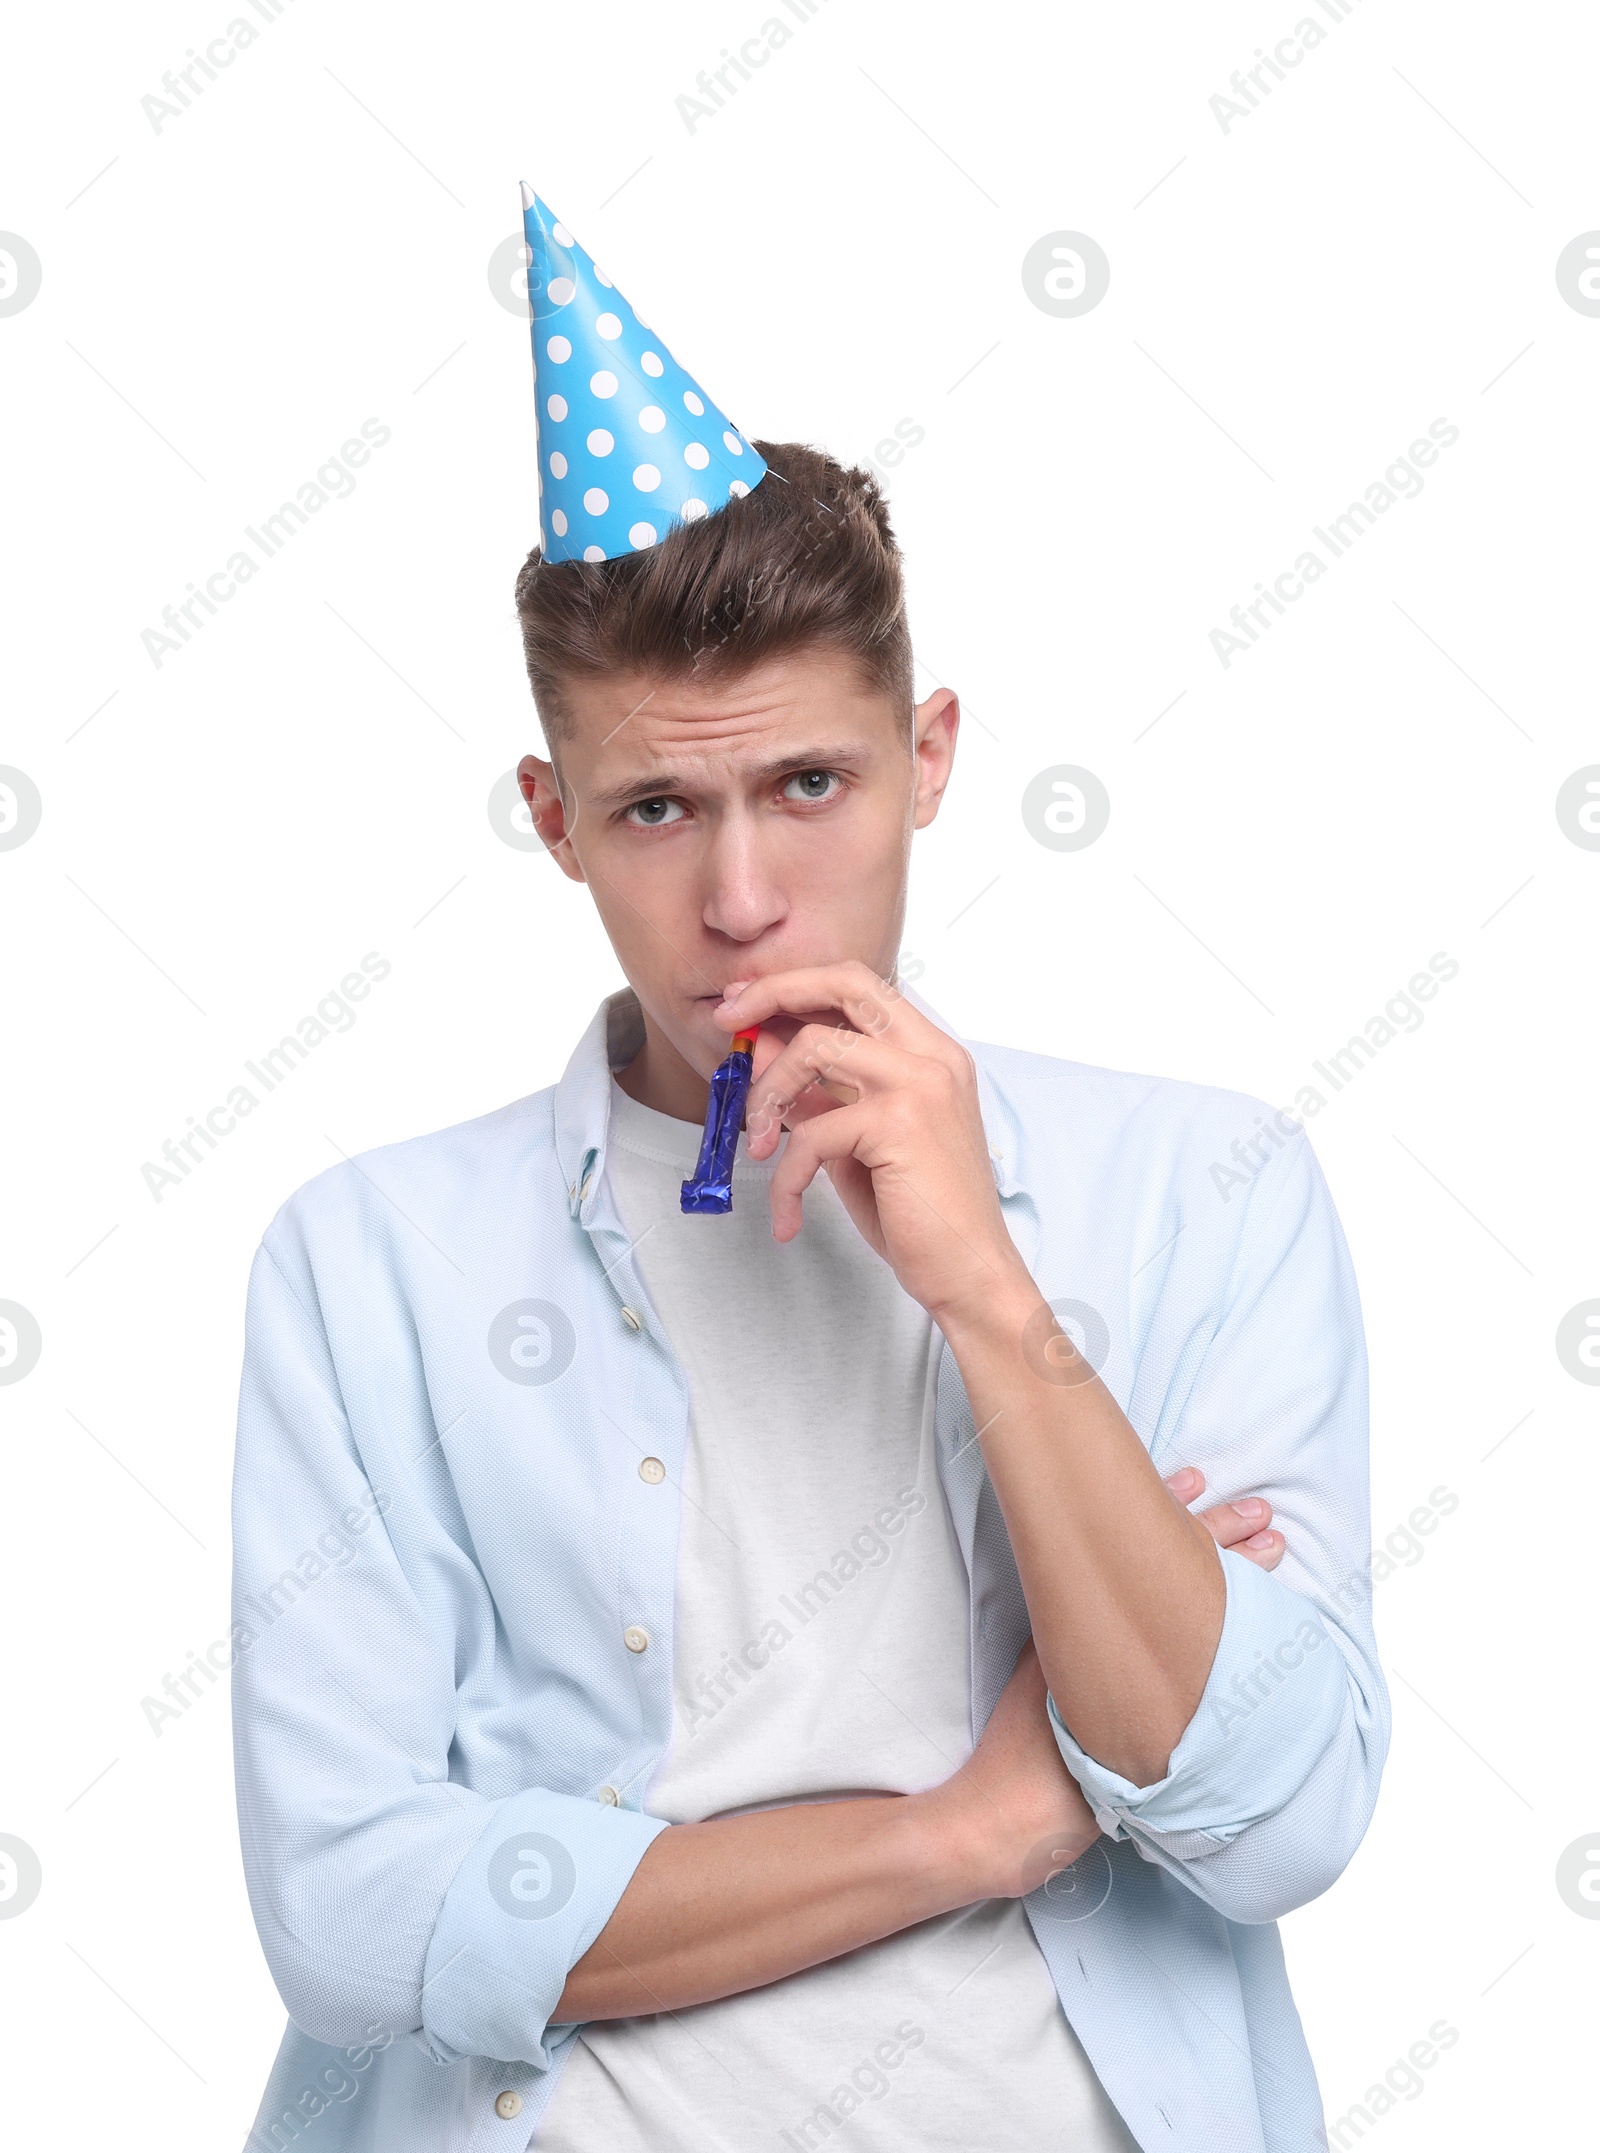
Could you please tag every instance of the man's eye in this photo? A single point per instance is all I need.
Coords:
(654, 814)
(811, 785)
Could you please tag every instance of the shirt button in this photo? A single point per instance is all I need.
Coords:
(610, 1797)
(508, 2106)
(652, 1469)
(635, 1639)
(633, 1319)
(583, 1193)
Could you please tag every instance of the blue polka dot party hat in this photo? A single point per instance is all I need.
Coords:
(629, 444)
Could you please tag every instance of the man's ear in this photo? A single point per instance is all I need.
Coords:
(542, 792)
(934, 724)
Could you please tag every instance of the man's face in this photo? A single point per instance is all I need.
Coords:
(733, 830)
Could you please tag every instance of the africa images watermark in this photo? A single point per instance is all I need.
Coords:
(183, 1154)
(266, 1607)
(1400, 1013)
(1401, 1549)
(335, 2082)
(869, 2081)
(335, 481)
(755, 52)
(184, 84)
(1402, 481)
(869, 1549)
(1401, 2082)
(1288, 52)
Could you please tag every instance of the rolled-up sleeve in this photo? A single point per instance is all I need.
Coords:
(385, 1894)
(1273, 1782)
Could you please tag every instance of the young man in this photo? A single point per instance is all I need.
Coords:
(760, 1690)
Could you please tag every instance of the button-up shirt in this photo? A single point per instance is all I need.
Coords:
(454, 1597)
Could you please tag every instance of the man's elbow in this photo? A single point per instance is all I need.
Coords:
(351, 2007)
(1254, 1898)
(1267, 1871)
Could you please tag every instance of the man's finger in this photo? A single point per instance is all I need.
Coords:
(813, 1145)
(1186, 1483)
(867, 1002)
(819, 987)
(1245, 1528)
(846, 1063)
(1265, 1550)
(1230, 1523)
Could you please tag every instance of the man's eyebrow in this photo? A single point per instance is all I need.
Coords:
(651, 783)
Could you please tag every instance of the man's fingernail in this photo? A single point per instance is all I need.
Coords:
(1260, 1540)
(1249, 1508)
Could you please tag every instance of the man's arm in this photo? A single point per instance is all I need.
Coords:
(380, 1886)
(1125, 1592)
(1233, 1724)
(731, 1904)
(717, 1908)
(376, 1880)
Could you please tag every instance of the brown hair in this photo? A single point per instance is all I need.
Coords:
(806, 559)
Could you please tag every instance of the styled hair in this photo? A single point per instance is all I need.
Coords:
(805, 560)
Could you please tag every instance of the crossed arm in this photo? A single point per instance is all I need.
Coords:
(1253, 1810)
(717, 1908)
(1125, 1591)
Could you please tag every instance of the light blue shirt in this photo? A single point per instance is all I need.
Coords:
(454, 1598)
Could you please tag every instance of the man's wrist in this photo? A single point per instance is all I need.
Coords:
(955, 1845)
(994, 1316)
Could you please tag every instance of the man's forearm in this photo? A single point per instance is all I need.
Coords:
(720, 1907)
(1125, 1590)
(714, 1909)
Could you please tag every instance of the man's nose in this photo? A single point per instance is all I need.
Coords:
(743, 900)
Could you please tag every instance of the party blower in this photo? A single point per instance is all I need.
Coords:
(711, 1186)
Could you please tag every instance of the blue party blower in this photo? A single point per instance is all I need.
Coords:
(710, 1189)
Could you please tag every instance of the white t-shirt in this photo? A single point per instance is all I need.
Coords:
(821, 1650)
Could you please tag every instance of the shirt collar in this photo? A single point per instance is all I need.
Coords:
(615, 1035)
(583, 1096)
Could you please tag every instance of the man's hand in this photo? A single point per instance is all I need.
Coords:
(1013, 1802)
(1245, 1525)
(888, 1103)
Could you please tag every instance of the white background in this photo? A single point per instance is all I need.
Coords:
(1291, 837)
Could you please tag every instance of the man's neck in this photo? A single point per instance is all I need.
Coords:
(659, 1077)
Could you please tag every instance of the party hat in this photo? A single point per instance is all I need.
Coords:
(629, 444)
